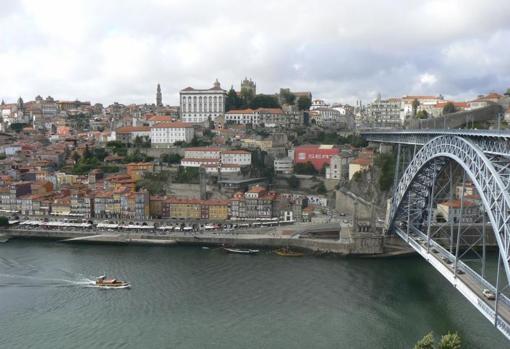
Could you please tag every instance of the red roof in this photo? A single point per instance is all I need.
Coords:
(457, 203)
(130, 129)
(173, 125)
(215, 149)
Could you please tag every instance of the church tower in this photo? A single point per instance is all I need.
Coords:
(159, 99)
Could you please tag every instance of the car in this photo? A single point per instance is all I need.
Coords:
(460, 272)
(342, 214)
(346, 221)
(488, 294)
(435, 251)
(446, 260)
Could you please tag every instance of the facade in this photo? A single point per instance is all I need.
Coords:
(451, 211)
(317, 155)
(159, 98)
(283, 165)
(427, 103)
(189, 208)
(215, 159)
(384, 112)
(359, 164)
(269, 117)
(339, 166)
(256, 204)
(198, 106)
(165, 134)
(128, 134)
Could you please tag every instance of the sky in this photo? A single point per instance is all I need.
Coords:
(340, 50)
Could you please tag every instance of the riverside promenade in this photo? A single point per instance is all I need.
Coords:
(268, 237)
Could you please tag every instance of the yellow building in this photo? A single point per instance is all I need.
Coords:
(183, 208)
(217, 209)
(359, 165)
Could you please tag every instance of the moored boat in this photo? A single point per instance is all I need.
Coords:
(103, 282)
(285, 252)
(241, 251)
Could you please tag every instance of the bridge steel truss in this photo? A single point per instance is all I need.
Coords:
(486, 162)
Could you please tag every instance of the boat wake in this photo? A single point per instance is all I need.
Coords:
(7, 280)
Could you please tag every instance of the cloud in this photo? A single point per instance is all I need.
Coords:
(340, 50)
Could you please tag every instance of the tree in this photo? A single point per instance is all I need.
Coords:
(287, 97)
(507, 93)
(415, 104)
(422, 114)
(264, 101)
(171, 158)
(4, 221)
(18, 126)
(449, 108)
(76, 157)
(321, 189)
(247, 96)
(306, 168)
(448, 341)
(233, 101)
(87, 154)
(304, 103)
(293, 182)
(426, 342)
(386, 162)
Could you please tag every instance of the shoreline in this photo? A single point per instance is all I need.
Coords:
(263, 241)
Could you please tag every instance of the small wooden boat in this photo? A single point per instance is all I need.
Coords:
(103, 282)
(241, 251)
(285, 252)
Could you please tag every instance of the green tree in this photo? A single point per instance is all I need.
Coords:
(422, 114)
(233, 101)
(306, 168)
(304, 103)
(386, 162)
(87, 154)
(18, 126)
(321, 189)
(450, 341)
(426, 342)
(264, 101)
(287, 97)
(507, 93)
(4, 221)
(449, 108)
(171, 158)
(247, 97)
(414, 105)
(293, 182)
(75, 156)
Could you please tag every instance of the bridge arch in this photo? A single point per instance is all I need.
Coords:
(490, 184)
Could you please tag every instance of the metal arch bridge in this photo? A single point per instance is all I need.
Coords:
(484, 157)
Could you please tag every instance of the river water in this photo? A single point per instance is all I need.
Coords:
(186, 297)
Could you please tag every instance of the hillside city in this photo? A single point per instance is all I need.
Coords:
(220, 156)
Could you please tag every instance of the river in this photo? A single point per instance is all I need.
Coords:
(185, 297)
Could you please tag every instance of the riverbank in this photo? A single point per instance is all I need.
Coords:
(353, 244)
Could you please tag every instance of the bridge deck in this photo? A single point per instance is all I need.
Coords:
(468, 283)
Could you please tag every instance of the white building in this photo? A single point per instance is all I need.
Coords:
(283, 165)
(242, 117)
(384, 112)
(456, 210)
(426, 103)
(214, 159)
(198, 106)
(165, 134)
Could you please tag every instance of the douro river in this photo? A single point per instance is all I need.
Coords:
(194, 298)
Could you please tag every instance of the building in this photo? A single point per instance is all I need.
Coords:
(256, 204)
(456, 210)
(384, 112)
(137, 170)
(127, 134)
(159, 98)
(200, 105)
(339, 166)
(359, 165)
(318, 155)
(283, 165)
(268, 117)
(216, 160)
(165, 134)
(426, 103)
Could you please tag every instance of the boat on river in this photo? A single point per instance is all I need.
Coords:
(286, 252)
(103, 282)
(240, 251)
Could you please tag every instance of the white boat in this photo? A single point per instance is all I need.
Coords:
(241, 251)
(103, 282)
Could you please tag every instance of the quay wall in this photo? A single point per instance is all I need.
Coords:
(357, 245)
